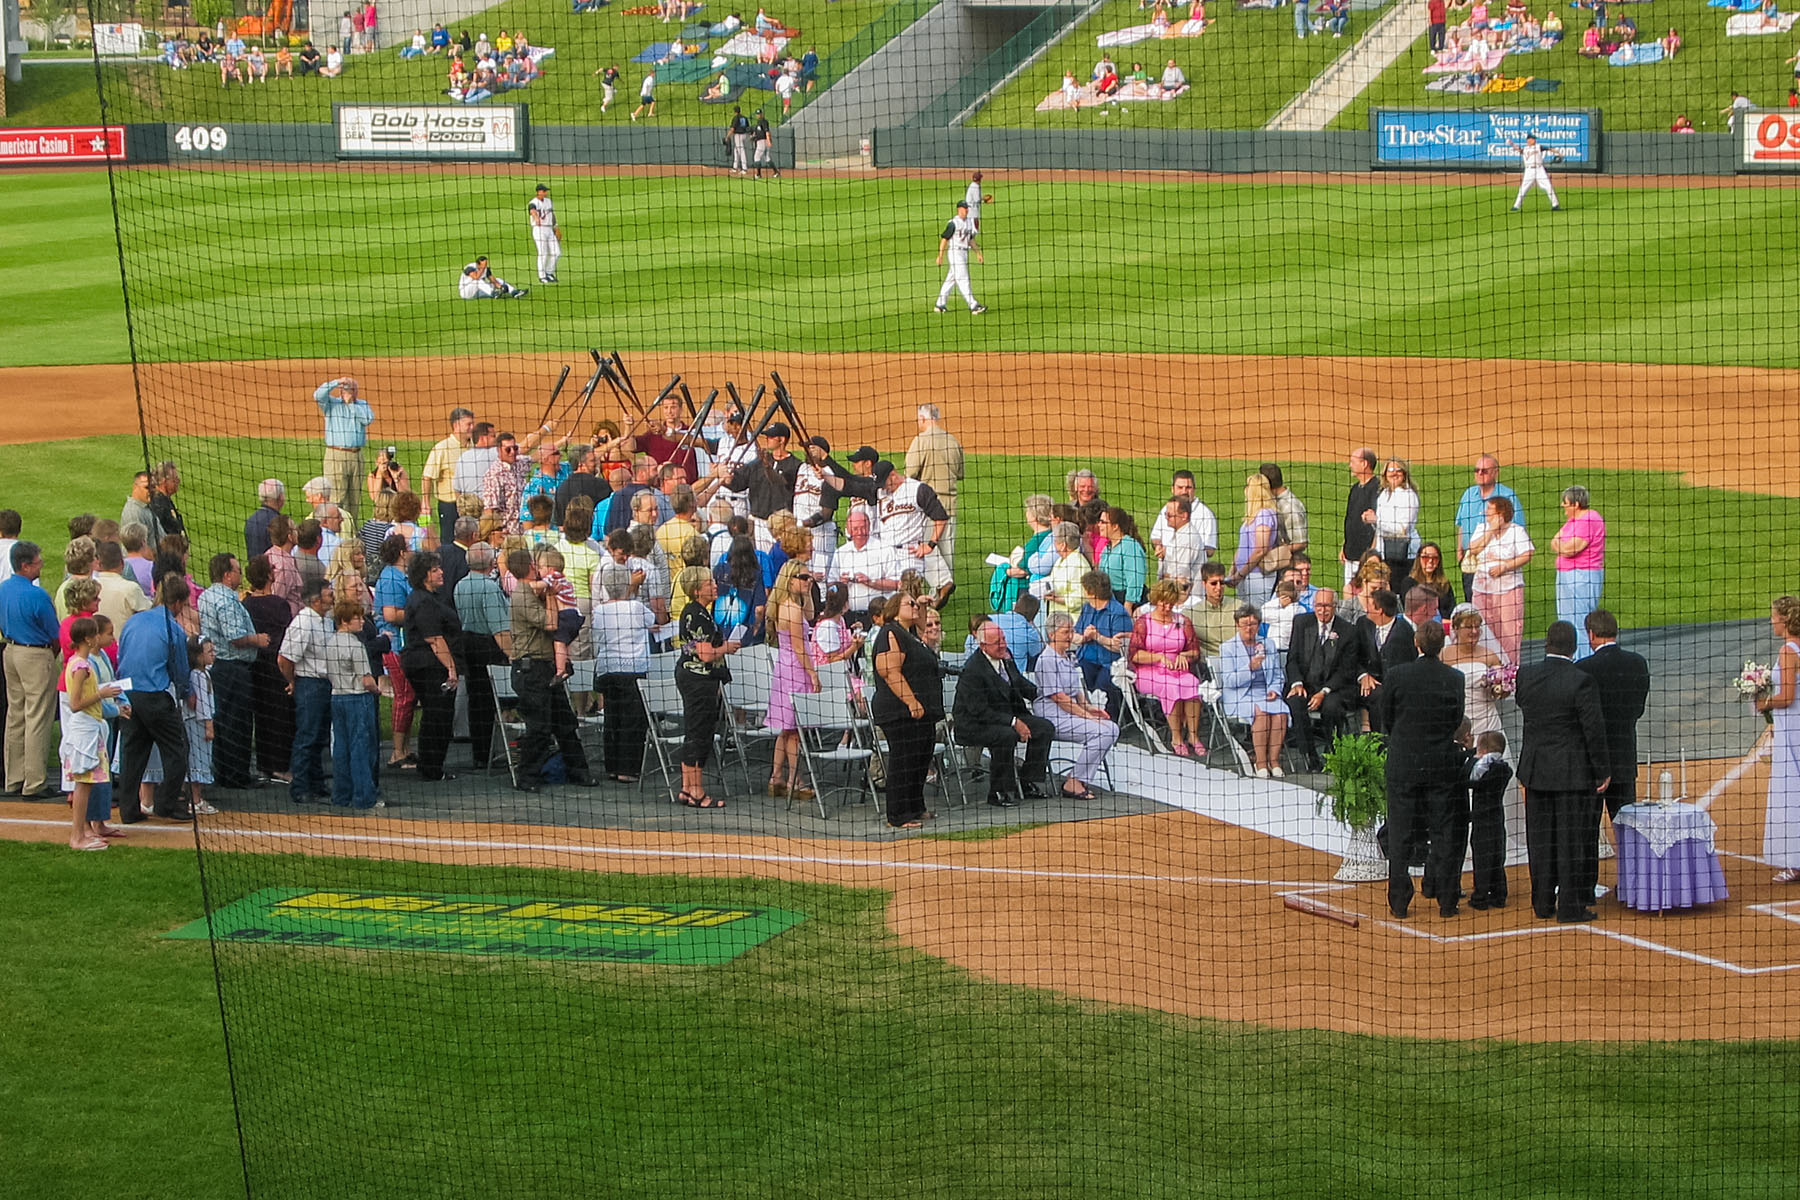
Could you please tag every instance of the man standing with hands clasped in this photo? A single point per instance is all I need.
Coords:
(1421, 705)
(1564, 767)
(959, 238)
(545, 233)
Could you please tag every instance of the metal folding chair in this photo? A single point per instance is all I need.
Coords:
(662, 701)
(1132, 707)
(506, 733)
(746, 704)
(946, 753)
(821, 719)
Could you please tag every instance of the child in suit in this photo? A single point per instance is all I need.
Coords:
(1489, 777)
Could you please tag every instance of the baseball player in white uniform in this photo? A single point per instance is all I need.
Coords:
(478, 282)
(1531, 157)
(545, 233)
(974, 198)
(959, 238)
(913, 521)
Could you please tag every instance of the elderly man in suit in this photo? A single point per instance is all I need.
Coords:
(1324, 660)
(993, 709)
(1564, 767)
(1421, 707)
(1387, 641)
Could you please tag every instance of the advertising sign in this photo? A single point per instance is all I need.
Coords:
(1483, 138)
(495, 926)
(113, 40)
(445, 132)
(66, 144)
(1769, 141)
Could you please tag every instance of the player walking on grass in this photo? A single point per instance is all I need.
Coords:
(1531, 157)
(545, 233)
(764, 137)
(646, 95)
(959, 238)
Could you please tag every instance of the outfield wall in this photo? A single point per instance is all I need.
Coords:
(1219, 151)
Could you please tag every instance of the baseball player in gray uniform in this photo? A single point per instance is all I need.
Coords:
(958, 239)
(545, 233)
(975, 198)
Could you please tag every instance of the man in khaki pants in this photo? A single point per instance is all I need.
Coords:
(935, 459)
(347, 421)
(28, 619)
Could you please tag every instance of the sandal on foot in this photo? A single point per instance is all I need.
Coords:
(1791, 875)
(1179, 748)
(1085, 793)
(906, 824)
(701, 801)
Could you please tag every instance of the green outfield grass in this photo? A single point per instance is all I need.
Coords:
(1652, 517)
(1698, 81)
(1240, 72)
(830, 1061)
(350, 263)
(567, 94)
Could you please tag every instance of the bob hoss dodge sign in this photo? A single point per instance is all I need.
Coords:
(439, 131)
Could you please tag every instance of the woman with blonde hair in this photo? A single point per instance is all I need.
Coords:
(789, 630)
(1781, 826)
(1397, 517)
(1256, 537)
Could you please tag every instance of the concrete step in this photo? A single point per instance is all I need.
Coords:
(1340, 83)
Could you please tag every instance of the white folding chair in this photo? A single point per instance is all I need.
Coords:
(945, 752)
(1132, 707)
(662, 666)
(506, 732)
(820, 718)
(662, 702)
(746, 705)
(583, 677)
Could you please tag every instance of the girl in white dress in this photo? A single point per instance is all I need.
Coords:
(197, 717)
(1781, 828)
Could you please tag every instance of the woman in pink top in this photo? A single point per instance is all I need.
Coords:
(1580, 547)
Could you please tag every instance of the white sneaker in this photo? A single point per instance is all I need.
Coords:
(203, 808)
(1278, 773)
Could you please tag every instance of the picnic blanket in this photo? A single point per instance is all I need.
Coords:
(1466, 61)
(1085, 96)
(1735, 5)
(660, 52)
(1635, 54)
(749, 44)
(1751, 24)
(1133, 34)
(687, 70)
(1466, 84)
(1539, 84)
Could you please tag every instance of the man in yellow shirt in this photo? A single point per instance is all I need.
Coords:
(935, 459)
(439, 476)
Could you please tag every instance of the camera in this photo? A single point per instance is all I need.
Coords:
(391, 456)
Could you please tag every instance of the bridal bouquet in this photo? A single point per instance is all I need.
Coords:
(1754, 682)
(1500, 680)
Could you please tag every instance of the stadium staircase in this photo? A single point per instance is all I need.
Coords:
(1344, 80)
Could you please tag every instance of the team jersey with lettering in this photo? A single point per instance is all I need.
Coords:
(960, 233)
(908, 513)
(543, 212)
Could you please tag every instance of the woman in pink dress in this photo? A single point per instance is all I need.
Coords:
(1164, 649)
(1580, 549)
(790, 604)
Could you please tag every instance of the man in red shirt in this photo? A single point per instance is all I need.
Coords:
(1434, 24)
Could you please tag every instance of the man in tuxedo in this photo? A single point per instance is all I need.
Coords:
(1386, 642)
(1421, 707)
(1322, 667)
(1564, 767)
(1624, 680)
(993, 709)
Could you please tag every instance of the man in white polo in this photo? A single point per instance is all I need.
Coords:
(867, 564)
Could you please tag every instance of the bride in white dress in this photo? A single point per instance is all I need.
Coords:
(1466, 653)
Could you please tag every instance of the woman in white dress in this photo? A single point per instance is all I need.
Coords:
(1466, 653)
(1396, 518)
(1781, 828)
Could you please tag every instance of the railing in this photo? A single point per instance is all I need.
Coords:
(870, 38)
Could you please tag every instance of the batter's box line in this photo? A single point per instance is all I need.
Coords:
(1595, 930)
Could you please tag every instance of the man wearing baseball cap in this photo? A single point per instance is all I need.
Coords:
(545, 233)
(958, 239)
(913, 521)
(859, 486)
(764, 139)
(810, 499)
(768, 480)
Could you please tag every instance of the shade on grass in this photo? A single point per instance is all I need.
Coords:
(363, 262)
(830, 1061)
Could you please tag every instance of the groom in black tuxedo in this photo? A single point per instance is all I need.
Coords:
(1324, 660)
(993, 709)
(1565, 770)
(1624, 680)
(1421, 707)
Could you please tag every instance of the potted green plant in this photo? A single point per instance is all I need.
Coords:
(1357, 797)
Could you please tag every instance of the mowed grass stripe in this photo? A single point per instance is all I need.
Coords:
(351, 263)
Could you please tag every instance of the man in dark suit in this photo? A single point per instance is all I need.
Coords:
(1385, 641)
(1421, 707)
(1624, 680)
(1323, 663)
(1563, 766)
(993, 709)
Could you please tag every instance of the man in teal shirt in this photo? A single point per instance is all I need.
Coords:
(1471, 510)
(347, 421)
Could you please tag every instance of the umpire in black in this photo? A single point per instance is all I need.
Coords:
(1421, 707)
(542, 702)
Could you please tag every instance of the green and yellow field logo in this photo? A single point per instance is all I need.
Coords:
(499, 926)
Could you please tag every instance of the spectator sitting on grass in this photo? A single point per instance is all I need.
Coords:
(334, 63)
(258, 64)
(440, 40)
(309, 59)
(1173, 81)
(417, 49)
(230, 66)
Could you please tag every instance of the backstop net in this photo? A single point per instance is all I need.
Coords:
(962, 599)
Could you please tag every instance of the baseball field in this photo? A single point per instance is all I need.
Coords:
(1118, 1006)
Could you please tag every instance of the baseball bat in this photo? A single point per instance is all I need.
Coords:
(692, 433)
(689, 398)
(554, 393)
(1319, 910)
(619, 365)
(586, 397)
(737, 401)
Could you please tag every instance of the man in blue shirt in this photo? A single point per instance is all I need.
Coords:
(226, 623)
(272, 494)
(347, 421)
(1471, 510)
(28, 619)
(1022, 637)
(153, 655)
